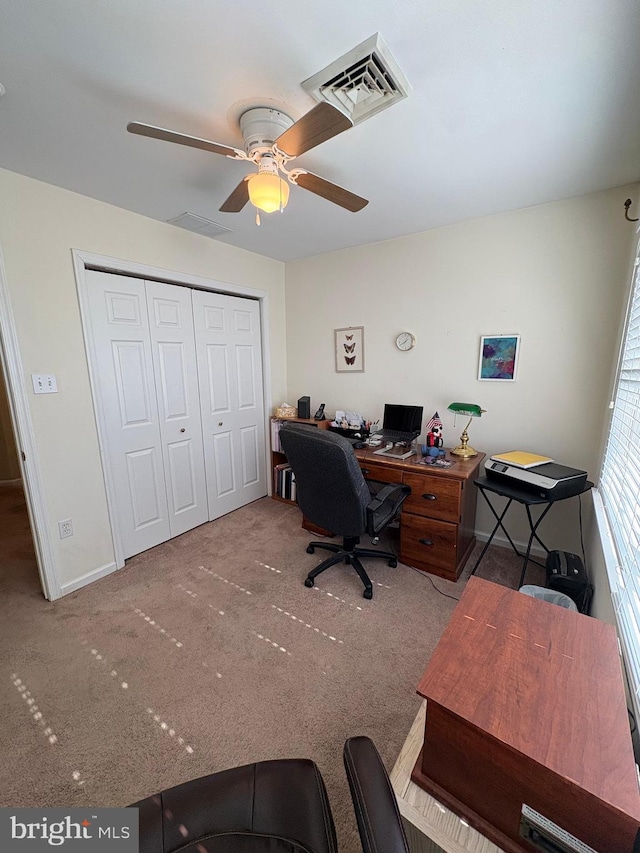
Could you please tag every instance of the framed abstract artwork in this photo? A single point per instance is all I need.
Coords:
(349, 345)
(499, 357)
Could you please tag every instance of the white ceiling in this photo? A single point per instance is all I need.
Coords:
(513, 103)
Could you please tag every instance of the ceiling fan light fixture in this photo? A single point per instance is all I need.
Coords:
(268, 192)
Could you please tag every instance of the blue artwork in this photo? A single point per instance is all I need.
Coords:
(499, 357)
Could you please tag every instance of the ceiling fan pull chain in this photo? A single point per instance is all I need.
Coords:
(257, 216)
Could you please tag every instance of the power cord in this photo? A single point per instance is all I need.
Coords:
(430, 579)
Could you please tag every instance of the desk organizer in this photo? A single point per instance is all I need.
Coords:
(351, 433)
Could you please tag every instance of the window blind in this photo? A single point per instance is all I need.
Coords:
(619, 487)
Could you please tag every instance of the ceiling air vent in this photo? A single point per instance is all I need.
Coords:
(364, 81)
(199, 225)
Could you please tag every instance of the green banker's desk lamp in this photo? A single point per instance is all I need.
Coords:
(472, 411)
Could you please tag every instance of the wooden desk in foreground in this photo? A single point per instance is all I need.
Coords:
(526, 728)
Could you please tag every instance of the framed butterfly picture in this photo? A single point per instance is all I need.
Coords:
(350, 349)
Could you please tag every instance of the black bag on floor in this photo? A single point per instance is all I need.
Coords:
(567, 574)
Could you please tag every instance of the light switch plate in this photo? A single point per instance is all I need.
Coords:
(44, 383)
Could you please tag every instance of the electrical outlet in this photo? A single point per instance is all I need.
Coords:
(65, 528)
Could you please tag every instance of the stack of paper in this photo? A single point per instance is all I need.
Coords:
(521, 459)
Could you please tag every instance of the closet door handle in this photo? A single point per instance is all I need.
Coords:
(219, 423)
(430, 497)
(182, 429)
(425, 541)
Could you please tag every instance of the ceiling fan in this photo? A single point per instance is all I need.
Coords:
(272, 140)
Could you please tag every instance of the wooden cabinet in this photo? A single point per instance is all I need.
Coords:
(438, 518)
(526, 725)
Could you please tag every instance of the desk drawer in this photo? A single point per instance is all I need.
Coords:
(435, 497)
(429, 545)
(382, 473)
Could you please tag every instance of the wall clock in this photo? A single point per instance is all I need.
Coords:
(405, 341)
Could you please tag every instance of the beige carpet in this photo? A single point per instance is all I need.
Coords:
(204, 653)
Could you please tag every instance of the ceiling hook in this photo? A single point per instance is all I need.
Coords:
(627, 205)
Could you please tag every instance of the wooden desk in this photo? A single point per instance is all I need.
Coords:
(526, 709)
(437, 523)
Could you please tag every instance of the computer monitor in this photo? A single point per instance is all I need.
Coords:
(401, 423)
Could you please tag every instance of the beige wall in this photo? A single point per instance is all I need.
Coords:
(39, 225)
(555, 274)
(9, 465)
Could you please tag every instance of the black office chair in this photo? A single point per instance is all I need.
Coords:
(332, 493)
(276, 806)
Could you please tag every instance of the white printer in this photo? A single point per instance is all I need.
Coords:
(544, 478)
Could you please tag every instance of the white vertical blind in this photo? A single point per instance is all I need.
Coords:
(620, 487)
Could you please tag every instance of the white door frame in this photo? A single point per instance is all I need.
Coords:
(25, 439)
(83, 260)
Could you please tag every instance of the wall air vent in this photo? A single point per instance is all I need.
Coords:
(364, 81)
(199, 225)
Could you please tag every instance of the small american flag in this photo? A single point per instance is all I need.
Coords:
(434, 422)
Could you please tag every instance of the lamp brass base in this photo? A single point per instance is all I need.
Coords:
(463, 449)
(465, 452)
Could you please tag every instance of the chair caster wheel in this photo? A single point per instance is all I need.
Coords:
(310, 549)
(368, 593)
(393, 563)
(308, 582)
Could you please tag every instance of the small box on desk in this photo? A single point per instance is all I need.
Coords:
(527, 734)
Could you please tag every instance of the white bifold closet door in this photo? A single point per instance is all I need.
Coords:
(148, 392)
(176, 382)
(229, 351)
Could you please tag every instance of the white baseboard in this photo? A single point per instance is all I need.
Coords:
(503, 542)
(90, 577)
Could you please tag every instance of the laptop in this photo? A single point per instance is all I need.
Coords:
(400, 423)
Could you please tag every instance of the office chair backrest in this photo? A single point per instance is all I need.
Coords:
(330, 488)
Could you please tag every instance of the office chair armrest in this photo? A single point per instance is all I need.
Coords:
(374, 800)
(388, 491)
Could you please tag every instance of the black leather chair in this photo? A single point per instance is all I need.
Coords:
(332, 492)
(273, 807)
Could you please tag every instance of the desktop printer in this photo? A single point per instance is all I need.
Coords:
(547, 480)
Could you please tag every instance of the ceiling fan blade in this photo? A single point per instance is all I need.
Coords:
(238, 198)
(316, 126)
(332, 192)
(183, 139)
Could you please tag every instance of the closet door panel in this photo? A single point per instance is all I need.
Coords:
(250, 455)
(225, 482)
(219, 397)
(228, 345)
(144, 488)
(124, 383)
(174, 357)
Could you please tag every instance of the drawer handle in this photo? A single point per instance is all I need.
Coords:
(430, 497)
(365, 471)
(425, 541)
